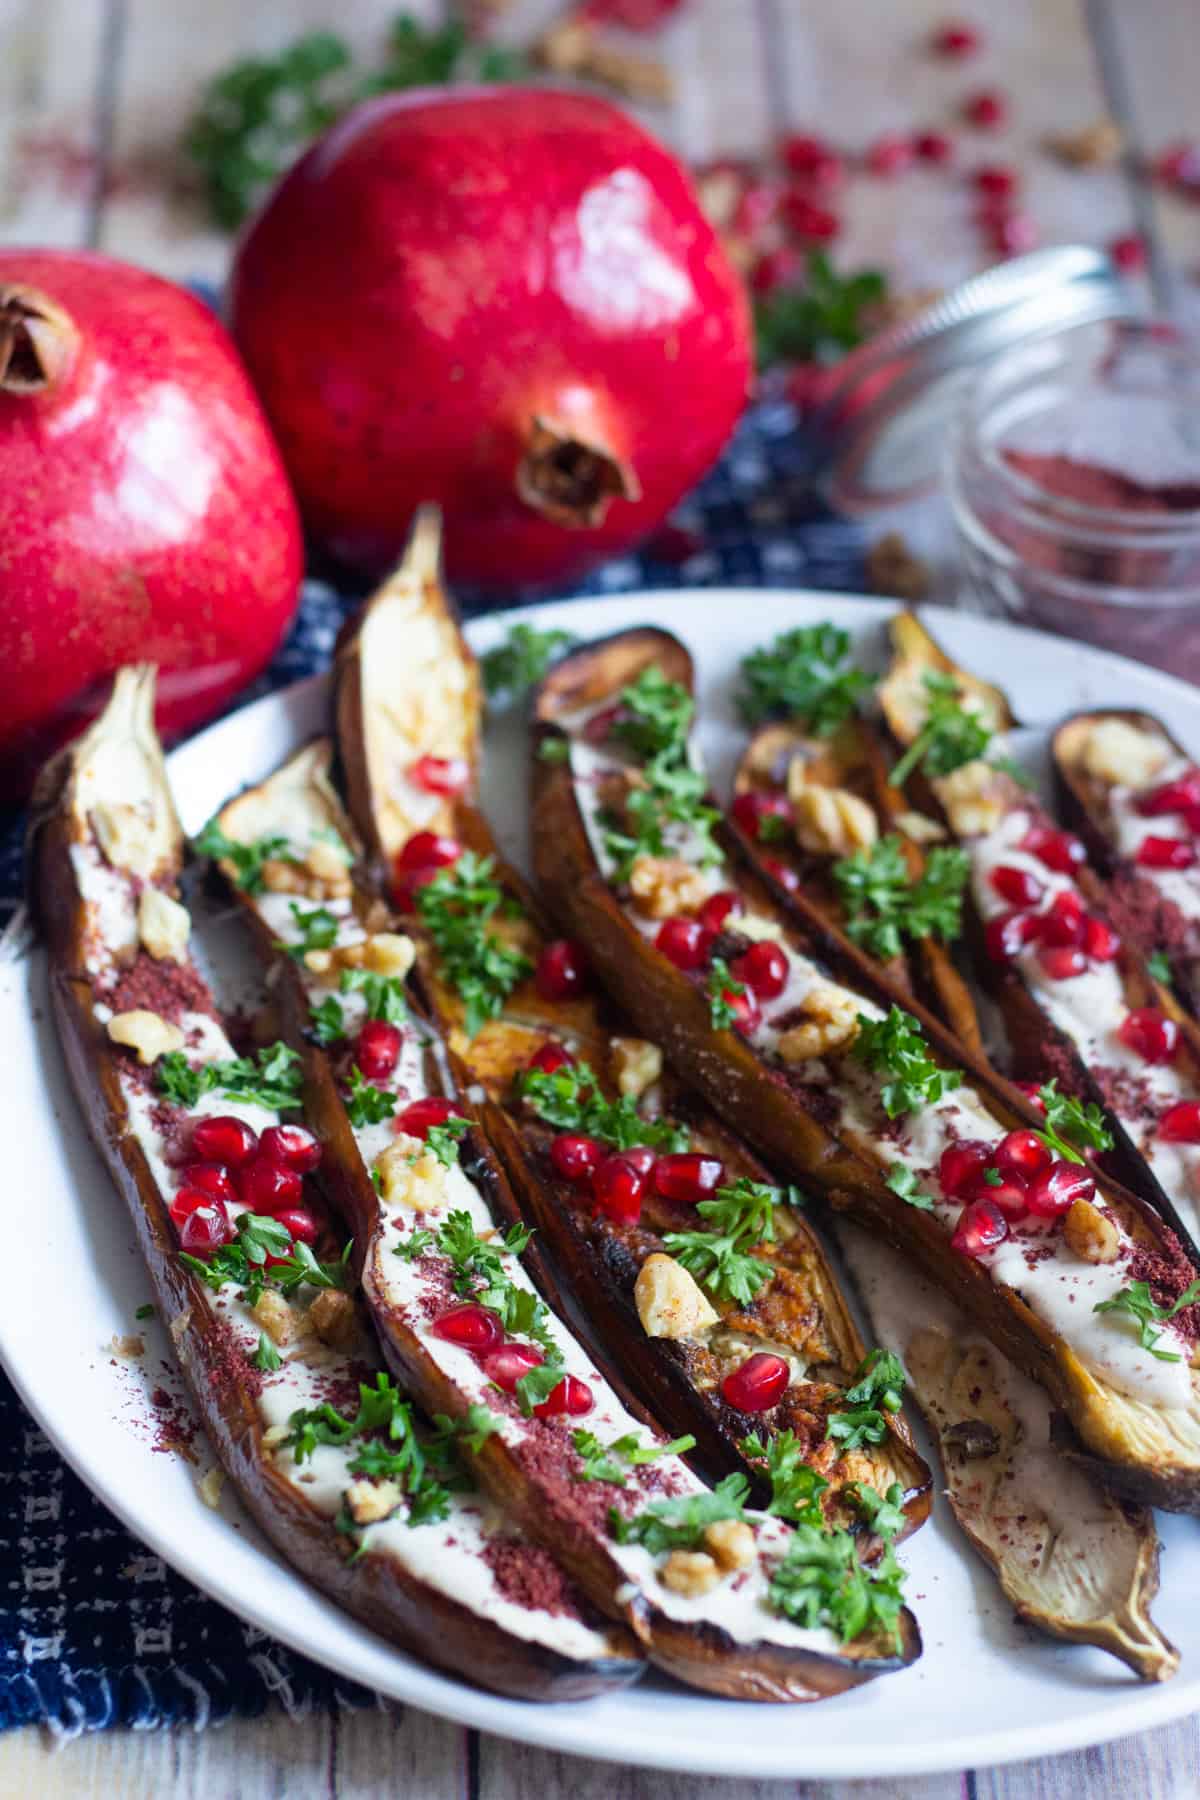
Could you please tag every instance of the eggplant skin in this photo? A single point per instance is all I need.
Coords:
(1133, 1453)
(373, 1589)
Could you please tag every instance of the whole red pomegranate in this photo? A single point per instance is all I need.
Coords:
(504, 300)
(144, 510)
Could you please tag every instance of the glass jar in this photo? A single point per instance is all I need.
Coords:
(1073, 469)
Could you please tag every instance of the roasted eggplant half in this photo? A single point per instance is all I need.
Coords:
(625, 1269)
(1077, 999)
(798, 1040)
(704, 1583)
(367, 1501)
(1133, 794)
(831, 824)
(1074, 1561)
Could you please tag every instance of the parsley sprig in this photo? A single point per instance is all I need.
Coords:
(821, 1582)
(737, 1217)
(247, 859)
(878, 1390)
(243, 1261)
(365, 1103)
(570, 1098)
(952, 735)
(803, 675)
(819, 320)
(796, 1488)
(680, 1523)
(1071, 1126)
(600, 1462)
(1136, 1302)
(384, 996)
(512, 668)
(271, 1078)
(883, 905)
(479, 1274)
(722, 988)
(905, 1182)
(457, 908)
(653, 719)
(894, 1046)
(1159, 966)
(317, 928)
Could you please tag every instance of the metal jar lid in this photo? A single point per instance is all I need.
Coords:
(883, 424)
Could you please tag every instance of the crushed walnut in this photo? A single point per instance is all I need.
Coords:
(164, 926)
(145, 1032)
(1090, 1234)
(665, 886)
(731, 1543)
(830, 821)
(1097, 144)
(669, 1302)
(637, 1064)
(369, 1501)
(832, 1016)
(333, 1318)
(1122, 755)
(125, 836)
(689, 1572)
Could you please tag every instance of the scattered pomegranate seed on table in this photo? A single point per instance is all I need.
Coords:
(801, 152)
(1015, 234)
(688, 1177)
(562, 970)
(956, 39)
(1149, 1034)
(1128, 253)
(811, 223)
(934, 147)
(889, 154)
(758, 1384)
(998, 179)
(986, 110)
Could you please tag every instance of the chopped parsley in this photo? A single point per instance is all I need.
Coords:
(442, 1141)
(554, 750)
(327, 1022)
(457, 908)
(738, 1217)
(904, 1181)
(819, 319)
(365, 1103)
(883, 906)
(318, 929)
(599, 1462)
(414, 1245)
(475, 1427)
(722, 991)
(796, 1488)
(803, 676)
(821, 1582)
(247, 859)
(271, 1078)
(878, 1390)
(266, 1357)
(383, 994)
(1071, 1126)
(518, 664)
(479, 1275)
(243, 1261)
(653, 720)
(680, 1523)
(1137, 1303)
(952, 735)
(894, 1046)
(144, 1312)
(1158, 966)
(570, 1098)
(884, 1513)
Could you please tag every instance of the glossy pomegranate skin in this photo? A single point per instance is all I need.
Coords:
(144, 512)
(211, 1179)
(1180, 1124)
(1057, 1188)
(618, 1186)
(763, 969)
(300, 1223)
(1150, 1034)
(378, 1049)
(446, 265)
(269, 1187)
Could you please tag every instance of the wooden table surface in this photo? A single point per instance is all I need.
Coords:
(92, 94)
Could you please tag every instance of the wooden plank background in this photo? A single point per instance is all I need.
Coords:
(92, 97)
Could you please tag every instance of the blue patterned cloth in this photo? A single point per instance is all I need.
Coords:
(96, 1631)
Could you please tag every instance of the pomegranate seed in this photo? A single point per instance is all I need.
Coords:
(827, 173)
(1179, 165)
(562, 971)
(1129, 253)
(685, 942)
(1008, 933)
(811, 223)
(441, 774)
(506, 1365)
(986, 110)
(1100, 941)
(764, 970)
(209, 1178)
(617, 1188)
(599, 728)
(1021, 1153)
(378, 1049)
(224, 1139)
(294, 1145)
(718, 909)
(758, 1384)
(1058, 850)
(781, 872)
(1150, 1034)
(934, 147)
(756, 206)
(956, 39)
(426, 850)
(572, 1397)
(775, 269)
(205, 1229)
(1064, 921)
(187, 1200)
(269, 1187)
(474, 1328)
(688, 1177)
(999, 180)
(550, 1057)
(889, 154)
(802, 153)
(747, 1014)
(752, 809)
(960, 1162)
(575, 1158)
(642, 1158)
(981, 1226)
(1055, 1190)
(1032, 1093)
(404, 893)
(1181, 1124)
(1007, 1195)
(1180, 795)
(420, 1116)
(300, 1224)
(1062, 962)
(1165, 853)
(1017, 886)
(1014, 234)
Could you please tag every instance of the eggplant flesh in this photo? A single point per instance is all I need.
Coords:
(105, 842)
(1147, 1447)
(730, 1641)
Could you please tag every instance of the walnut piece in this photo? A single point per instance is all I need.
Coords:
(832, 821)
(689, 1572)
(638, 1065)
(329, 866)
(669, 1302)
(1122, 755)
(164, 926)
(664, 886)
(145, 1032)
(209, 1488)
(1090, 1234)
(125, 836)
(1099, 143)
(731, 1542)
(273, 1315)
(918, 829)
(833, 1024)
(280, 877)
(572, 47)
(407, 1174)
(369, 1501)
(389, 953)
(974, 798)
(333, 1318)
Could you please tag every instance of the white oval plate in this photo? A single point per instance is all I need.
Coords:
(985, 1691)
